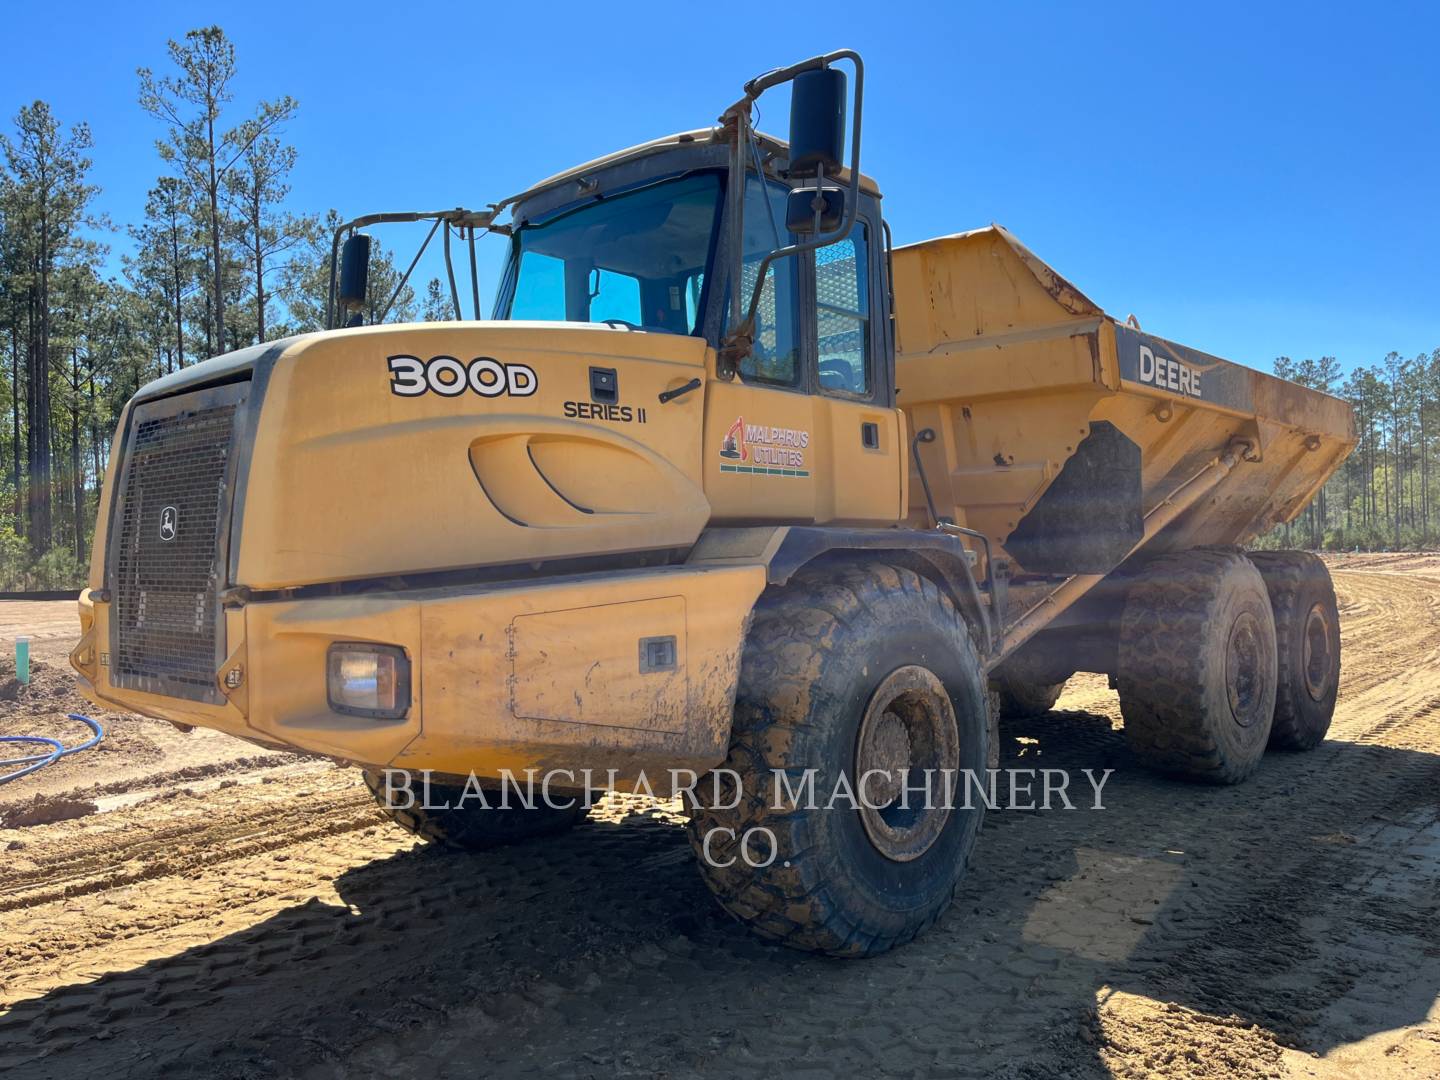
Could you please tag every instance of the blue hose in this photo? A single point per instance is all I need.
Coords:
(34, 762)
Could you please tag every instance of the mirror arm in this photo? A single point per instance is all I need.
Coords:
(334, 269)
(474, 275)
(483, 219)
(408, 271)
(450, 273)
(737, 118)
(775, 76)
(738, 342)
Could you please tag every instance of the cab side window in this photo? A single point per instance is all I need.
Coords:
(842, 316)
(775, 357)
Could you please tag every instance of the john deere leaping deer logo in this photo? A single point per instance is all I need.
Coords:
(763, 450)
(169, 523)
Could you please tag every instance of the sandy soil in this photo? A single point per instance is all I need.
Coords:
(190, 906)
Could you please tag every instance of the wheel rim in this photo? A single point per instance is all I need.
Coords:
(909, 728)
(1317, 653)
(1244, 675)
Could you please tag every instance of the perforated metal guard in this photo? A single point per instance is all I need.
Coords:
(169, 542)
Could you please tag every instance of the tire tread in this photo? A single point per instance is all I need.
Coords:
(1161, 668)
(802, 905)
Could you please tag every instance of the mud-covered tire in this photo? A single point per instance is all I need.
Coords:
(1197, 666)
(1020, 699)
(1307, 637)
(469, 826)
(824, 661)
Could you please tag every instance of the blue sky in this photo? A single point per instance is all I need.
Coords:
(1251, 179)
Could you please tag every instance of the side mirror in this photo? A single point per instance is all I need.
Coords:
(800, 210)
(354, 275)
(817, 122)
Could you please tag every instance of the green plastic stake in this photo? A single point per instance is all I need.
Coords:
(22, 660)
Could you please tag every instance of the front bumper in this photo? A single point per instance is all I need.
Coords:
(548, 675)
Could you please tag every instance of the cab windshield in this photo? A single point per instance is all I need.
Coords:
(637, 258)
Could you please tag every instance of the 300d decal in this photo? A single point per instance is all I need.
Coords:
(444, 375)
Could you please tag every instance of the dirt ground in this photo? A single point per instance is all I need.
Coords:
(180, 905)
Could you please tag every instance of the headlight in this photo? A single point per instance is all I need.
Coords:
(368, 680)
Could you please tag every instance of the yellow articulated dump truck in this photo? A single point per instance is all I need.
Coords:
(726, 488)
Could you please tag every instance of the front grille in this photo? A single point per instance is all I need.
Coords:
(167, 556)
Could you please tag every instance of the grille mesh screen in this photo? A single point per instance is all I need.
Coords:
(167, 552)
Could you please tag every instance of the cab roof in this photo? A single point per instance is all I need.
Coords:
(771, 148)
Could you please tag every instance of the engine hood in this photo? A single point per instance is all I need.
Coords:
(405, 449)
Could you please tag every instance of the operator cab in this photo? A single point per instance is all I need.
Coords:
(640, 239)
(773, 253)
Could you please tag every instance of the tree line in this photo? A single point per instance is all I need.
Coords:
(1384, 496)
(218, 260)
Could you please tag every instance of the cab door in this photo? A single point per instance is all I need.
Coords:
(760, 452)
(806, 432)
(861, 429)
(762, 462)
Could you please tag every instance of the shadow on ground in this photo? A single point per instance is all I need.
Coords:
(601, 953)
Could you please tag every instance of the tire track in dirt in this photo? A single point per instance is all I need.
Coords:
(164, 840)
(1301, 937)
(270, 929)
(1390, 689)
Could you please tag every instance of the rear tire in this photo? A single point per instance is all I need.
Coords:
(1197, 666)
(469, 826)
(1019, 699)
(850, 669)
(1307, 638)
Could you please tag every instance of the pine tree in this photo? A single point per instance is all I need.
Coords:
(190, 104)
(48, 197)
(165, 265)
(437, 306)
(256, 188)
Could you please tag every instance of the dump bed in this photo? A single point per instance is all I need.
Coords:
(1061, 433)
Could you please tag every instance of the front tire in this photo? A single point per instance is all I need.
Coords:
(1307, 637)
(851, 670)
(1197, 666)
